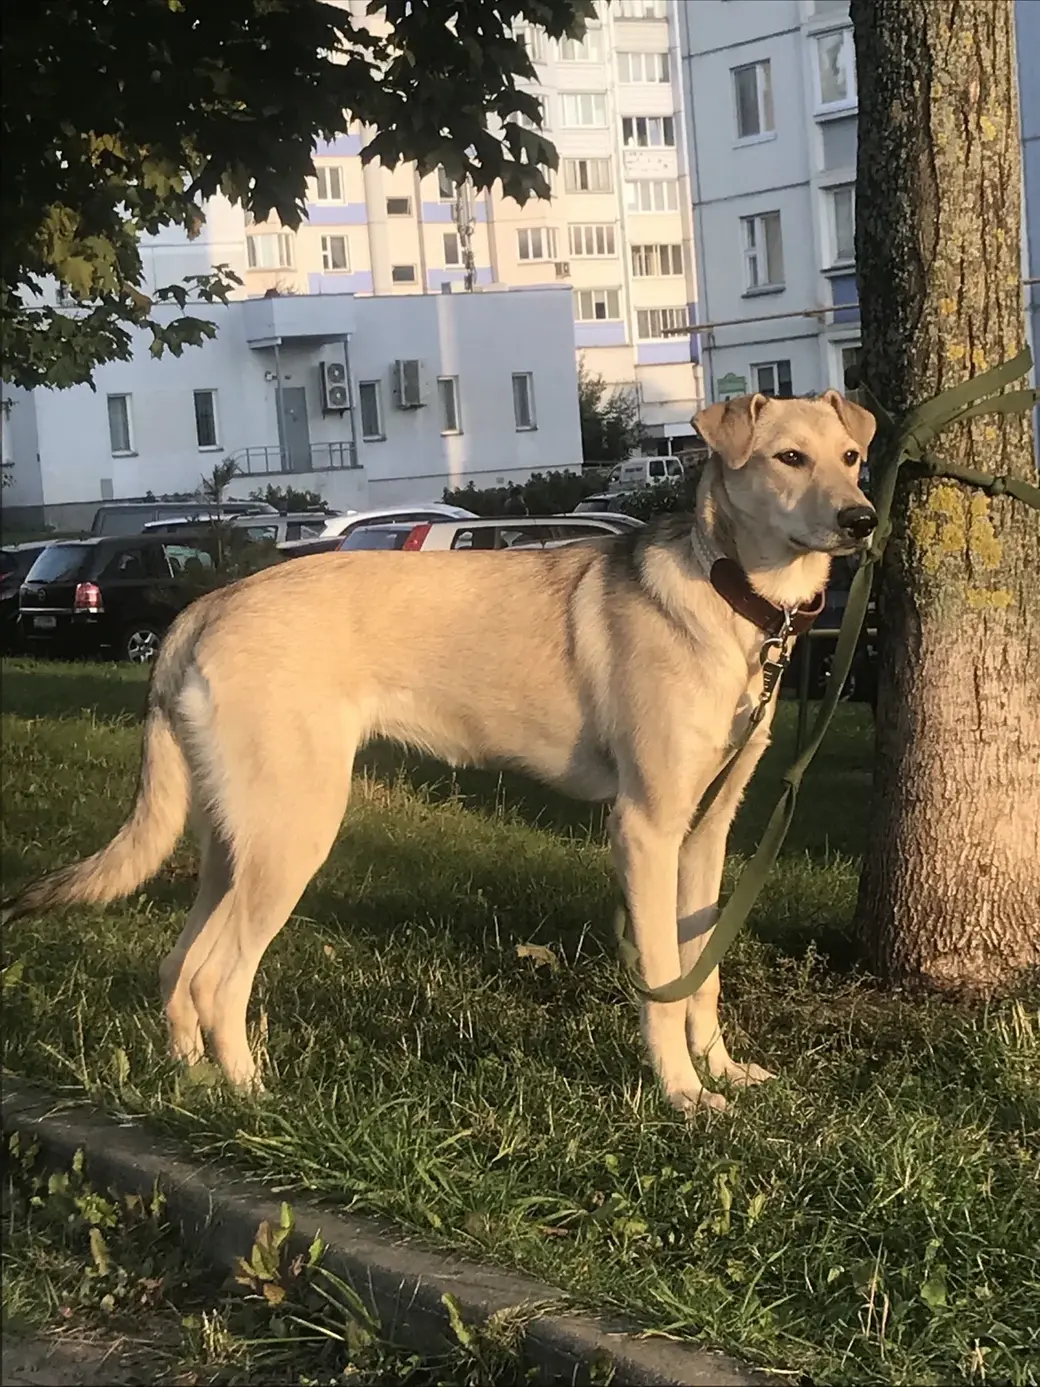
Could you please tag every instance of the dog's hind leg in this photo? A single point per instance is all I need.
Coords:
(701, 860)
(292, 827)
(205, 921)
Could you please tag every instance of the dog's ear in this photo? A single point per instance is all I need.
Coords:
(859, 423)
(729, 428)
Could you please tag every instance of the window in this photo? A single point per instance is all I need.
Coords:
(329, 179)
(652, 195)
(185, 559)
(843, 223)
(334, 254)
(120, 433)
(597, 305)
(648, 132)
(836, 70)
(445, 186)
(850, 359)
(643, 9)
(270, 250)
(523, 399)
(451, 248)
(399, 207)
(371, 411)
(773, 378)
(583, 108)
(125, 563)
(591, 240)
(650, 261)
(536, 243)
(206, 419)
(533, 40)
(652, 323)
(448, 391)
(763, 252)
(542, 123)
(402, 274)
(587, 175)
(753, 89)
(586, 50)
(642, 67)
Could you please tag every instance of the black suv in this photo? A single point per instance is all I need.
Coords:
(117, 594)
(15, 562)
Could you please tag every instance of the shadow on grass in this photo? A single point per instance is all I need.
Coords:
(71, 689)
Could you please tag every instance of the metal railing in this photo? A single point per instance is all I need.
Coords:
(266, 460)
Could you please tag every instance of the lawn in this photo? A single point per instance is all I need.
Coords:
(874, 1215)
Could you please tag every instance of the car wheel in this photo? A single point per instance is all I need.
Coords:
(140, 643)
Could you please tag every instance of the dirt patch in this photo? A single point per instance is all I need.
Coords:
(64, 1362)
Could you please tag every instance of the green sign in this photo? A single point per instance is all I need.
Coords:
(730, 385)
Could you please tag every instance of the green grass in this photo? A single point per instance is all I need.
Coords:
(874, 1215)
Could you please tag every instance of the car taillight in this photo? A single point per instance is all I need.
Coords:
(417, 535)
(88, 598)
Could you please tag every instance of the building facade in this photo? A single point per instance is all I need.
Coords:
(365, 400)
(617, 231)
(770, 93)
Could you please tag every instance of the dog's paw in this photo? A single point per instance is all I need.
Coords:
(741, 1075)
(692, 1100)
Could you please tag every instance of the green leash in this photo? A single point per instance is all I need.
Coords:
(907, 442)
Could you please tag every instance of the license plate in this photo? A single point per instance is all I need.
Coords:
(45, 623)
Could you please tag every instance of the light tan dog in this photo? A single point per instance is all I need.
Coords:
(618, 669)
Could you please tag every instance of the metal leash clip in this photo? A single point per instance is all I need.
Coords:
(775, 656)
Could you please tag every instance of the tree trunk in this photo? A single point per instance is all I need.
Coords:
(950, 889)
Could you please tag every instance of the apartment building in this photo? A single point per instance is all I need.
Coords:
(770, 95)
(618, 229)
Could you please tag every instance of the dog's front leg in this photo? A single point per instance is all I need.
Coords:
(702, 857)
(646, 854)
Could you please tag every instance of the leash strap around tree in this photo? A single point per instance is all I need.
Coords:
(908, 441)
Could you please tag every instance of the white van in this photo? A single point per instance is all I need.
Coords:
(636, 472)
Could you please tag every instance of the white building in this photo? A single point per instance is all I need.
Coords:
(366, 400)
(617, 232)
(771, 99)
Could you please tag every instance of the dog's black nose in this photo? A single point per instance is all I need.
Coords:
(858, 521)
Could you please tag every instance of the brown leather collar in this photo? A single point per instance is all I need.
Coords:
(731, 583)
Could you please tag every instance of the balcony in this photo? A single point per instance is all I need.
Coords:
(270, 460)
(297, 318)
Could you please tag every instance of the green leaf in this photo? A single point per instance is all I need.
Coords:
(933, 1290)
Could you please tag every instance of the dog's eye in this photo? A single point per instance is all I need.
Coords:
(851, 457)
(792, 458)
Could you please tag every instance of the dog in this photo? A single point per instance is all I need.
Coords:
(622, 669)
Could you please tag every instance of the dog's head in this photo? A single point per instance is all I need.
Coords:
(792, 468)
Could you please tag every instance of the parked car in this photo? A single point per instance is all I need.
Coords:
(525, 532)
(390, 515)
(602, 503)
(636, 472)
(278, 528)
(130, 517)
(819, 648)
(15, 562)
(115, 594)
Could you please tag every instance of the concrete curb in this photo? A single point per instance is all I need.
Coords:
(401, 1284)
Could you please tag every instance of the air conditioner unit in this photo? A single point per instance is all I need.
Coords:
(335, 393)
(563, 269)
(409, 383)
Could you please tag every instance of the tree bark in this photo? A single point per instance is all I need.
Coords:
(950, 889)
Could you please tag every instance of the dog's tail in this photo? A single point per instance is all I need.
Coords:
(140, 847)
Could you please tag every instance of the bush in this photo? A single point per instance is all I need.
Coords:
(544, 493)
(663, 498)
(289, 498)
